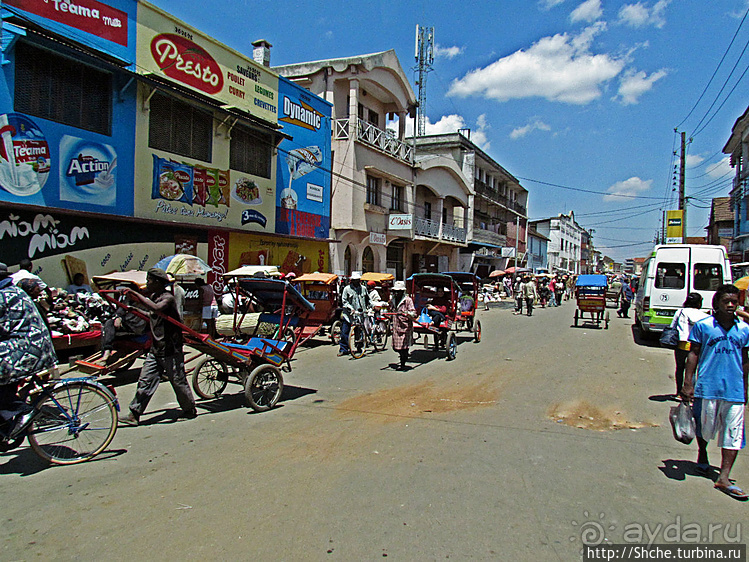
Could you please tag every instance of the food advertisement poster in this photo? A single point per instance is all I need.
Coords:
(172, 50)
(108, 26)
(299, 256)
(304, 163)
(52, 165)
(177, 189)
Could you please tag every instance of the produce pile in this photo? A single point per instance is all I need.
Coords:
(75, 313)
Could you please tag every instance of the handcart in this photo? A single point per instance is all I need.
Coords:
(257, 362)
(590, 292)
(468, 301)
(127, 347)
(321, 289)
(425, 288)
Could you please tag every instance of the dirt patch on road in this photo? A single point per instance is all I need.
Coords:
(586, 416)
(422, 398)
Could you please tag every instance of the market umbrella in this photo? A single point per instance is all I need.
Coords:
(742, 283)
(514, 269)
(184, 265)
(497, 273)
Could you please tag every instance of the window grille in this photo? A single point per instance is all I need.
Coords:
(251, 151)
(177, 127)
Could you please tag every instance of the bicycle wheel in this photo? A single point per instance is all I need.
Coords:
(335, 332)
(263, 387)
(74, 423)
(209, 378)
(356, 341)
(380, 335)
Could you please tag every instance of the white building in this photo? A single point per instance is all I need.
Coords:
(565, 242)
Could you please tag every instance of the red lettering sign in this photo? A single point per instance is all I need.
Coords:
(184, 61)
(90, 16)
(218, 259)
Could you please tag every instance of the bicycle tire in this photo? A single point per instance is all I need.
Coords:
(263, 387)
(356, 341)
(335, 332)
(209, 378)
(74, 424)
(379, 335)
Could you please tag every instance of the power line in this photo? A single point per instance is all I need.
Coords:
(579, 189)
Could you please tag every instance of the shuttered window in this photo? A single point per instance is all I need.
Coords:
(250, 151)
(178, 127)
(62, 90)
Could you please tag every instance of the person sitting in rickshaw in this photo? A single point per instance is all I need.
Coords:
(374, 296)
(125, 323)
(437, 307)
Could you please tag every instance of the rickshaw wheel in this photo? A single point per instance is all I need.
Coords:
(335, 332)
(356, 341)
(380, 335)
(209, 378)
(451, 346)
(263, 387)
(477, 331)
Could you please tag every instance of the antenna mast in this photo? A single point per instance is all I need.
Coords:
(424, 59)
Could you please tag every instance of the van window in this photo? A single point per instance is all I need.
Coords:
(670, 275)
(707, 276)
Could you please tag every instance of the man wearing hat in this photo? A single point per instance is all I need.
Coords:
(25, 349)
(165, 356)
(405, 312)
(353, 299)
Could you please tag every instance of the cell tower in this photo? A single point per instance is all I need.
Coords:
(424, 60)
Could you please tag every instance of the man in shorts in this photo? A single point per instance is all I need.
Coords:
(719, 356)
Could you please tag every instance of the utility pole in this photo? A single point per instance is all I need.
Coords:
(682, 196)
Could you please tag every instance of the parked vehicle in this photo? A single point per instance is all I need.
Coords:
(590, 294)
(321, 289)
(672, 272)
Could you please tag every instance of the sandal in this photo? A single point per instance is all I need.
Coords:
(734, 491)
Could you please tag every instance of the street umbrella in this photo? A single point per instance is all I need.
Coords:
(497, 273)
(743, 283)
(514, 269)
(184, 266)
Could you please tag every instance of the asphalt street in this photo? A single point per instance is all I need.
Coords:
(539, 437)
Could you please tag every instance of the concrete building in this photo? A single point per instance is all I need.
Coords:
(492, 211)
(720, 227)
(737, 148)
(537, 255)
(565, 242)
(374, 202)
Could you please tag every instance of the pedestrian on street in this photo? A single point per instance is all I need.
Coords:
(558, 290)
(179, 294)
(625, 298)
(507, 283)
(354, 299)
(684, 320)
(720, 360)
(209, 305)
(166, 356)
(518, 292)
(528, 290)
(403, 307)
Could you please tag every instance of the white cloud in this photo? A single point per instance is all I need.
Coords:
(451, 124)
(694, 160)
(549, 4)
(447, 52)
(633, 84)
(559, 68)
(632, 186)
(721, 168)
(536, 125)
(589, 11)
(639, 15)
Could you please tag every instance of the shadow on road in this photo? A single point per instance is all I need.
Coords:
(680, 469)
(26, 462)
(663, 398)
(645, 340)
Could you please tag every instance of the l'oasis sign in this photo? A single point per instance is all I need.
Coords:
(184, 61)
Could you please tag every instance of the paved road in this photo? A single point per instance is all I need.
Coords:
(526, 441)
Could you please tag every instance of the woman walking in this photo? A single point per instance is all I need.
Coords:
(684, 319)
(403, 307)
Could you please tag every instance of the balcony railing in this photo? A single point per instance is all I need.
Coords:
(431, 229)
(483, 189)
(375, 137)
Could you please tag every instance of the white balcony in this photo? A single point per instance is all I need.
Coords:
(431, 229)
(374, 137)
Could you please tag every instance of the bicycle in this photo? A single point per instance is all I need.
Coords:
(366, 330)
(70, 420)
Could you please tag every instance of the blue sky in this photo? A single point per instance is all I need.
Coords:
(581, 94)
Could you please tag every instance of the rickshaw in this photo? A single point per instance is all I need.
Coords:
(423, 287)
(321, 289)
(256, 362)
(127, 347)
(470, 287)
(590, 293)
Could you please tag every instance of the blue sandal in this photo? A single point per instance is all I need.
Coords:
(734, 491)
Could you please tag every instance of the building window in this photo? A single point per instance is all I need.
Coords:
(396, 203)
(367, 260)
(180, 128)
(427, 210)
(62, 90)
(374, 118)
(444, 215)
(251, 151)
(373, 190)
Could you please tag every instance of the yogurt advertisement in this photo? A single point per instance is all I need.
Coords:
(88, 170)
(24, 155)
(303, 168)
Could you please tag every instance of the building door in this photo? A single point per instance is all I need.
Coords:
(394, 259)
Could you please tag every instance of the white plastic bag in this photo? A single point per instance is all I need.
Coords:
(682, 423)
